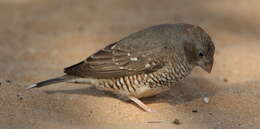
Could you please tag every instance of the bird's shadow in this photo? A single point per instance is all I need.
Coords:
(188, 90)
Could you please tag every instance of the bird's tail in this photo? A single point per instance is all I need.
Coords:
(64, 78)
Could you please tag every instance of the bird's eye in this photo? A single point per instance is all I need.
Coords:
(200, 54)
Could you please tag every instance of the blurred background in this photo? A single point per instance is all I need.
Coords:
(38, 38)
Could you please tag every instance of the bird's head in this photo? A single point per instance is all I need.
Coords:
(199, 48)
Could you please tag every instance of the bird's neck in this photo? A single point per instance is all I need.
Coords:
(179, 66)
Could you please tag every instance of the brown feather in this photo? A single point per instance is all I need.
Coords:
(113, 61)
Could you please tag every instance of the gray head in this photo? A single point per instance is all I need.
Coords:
(199, 48)
(191, 40)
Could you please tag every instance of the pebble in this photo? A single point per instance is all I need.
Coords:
(8, 81)
(19, 96)
(194, 111)
(225, 80)
(176, 122)
(206, 100)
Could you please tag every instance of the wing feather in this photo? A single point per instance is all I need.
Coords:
(115, 61)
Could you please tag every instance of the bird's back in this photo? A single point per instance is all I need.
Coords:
(141, 52)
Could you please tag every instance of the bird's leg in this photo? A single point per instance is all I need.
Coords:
(141, 104)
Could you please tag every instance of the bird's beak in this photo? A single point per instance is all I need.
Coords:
(207, 67)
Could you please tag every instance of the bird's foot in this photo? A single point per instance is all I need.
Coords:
(141, 104)
(149, 110)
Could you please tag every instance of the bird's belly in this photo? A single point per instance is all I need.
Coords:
(147, 91)
(140, 92)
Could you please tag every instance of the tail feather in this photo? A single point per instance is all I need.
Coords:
(50, 81)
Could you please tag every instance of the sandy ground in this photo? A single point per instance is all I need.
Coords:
(39, 38)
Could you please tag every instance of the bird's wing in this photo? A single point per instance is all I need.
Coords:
(117, 60)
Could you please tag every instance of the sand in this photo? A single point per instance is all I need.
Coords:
(39, 38)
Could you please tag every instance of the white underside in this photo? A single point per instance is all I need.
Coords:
(140, 92)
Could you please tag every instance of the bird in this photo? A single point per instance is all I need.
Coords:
(144, 63)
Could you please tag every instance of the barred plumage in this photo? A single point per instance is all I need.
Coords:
(130, 85)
